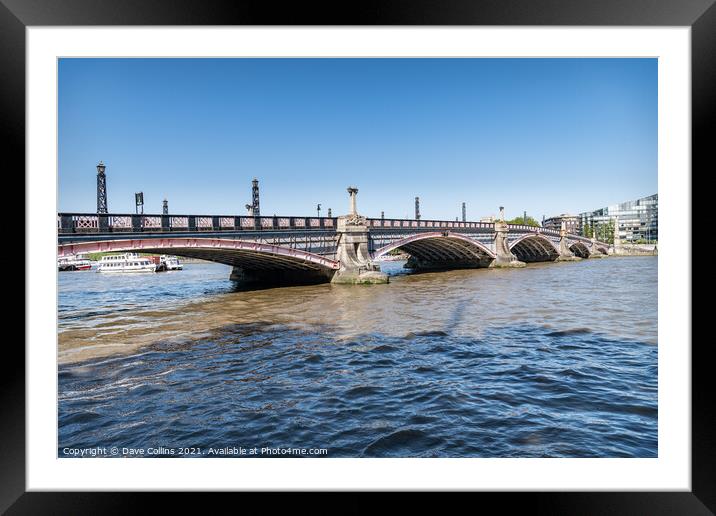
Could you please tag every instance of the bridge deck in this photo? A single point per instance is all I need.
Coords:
(315, 235)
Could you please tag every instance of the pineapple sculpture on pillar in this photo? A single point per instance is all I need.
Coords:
(356, 267)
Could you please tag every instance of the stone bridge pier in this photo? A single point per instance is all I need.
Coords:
(503, 254)
(565, 255)
(595, 251)
(356, 266)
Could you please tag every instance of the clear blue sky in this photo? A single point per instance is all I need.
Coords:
(543, 135)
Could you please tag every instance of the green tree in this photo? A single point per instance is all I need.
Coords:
(521, 220)
(610, 232)
(587, 230)
(604, 232)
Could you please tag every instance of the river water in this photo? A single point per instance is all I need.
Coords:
(553, 360)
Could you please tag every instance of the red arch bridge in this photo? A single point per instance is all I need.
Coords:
(316, 249)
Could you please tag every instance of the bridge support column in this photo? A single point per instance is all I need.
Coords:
(594, 251)
(565, 255)
(356, 266)
(352, 253)
(617, 244)
(504, 257)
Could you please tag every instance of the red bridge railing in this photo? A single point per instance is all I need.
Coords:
(133, 223)
(442, 224)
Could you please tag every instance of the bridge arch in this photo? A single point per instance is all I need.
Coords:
(439, 250)
(580, 249)
(260, 259)
(532, 247)
(586, 247)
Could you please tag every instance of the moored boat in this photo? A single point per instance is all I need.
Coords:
(171, 263)
(75, 262)
(128, 262)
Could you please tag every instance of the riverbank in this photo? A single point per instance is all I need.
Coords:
(393, 257)
(636, 250)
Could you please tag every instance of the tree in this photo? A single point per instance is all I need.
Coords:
(610, 232)
(521, 221)
(602, 232)
(587, 230)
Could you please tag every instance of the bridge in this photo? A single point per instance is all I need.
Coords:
(300, 250)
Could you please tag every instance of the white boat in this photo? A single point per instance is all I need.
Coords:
(128, 262)
(75, 262)
(170, 263)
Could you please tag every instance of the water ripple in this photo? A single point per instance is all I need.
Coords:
(457, 374)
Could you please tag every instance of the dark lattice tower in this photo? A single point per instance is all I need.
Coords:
(464, 213)
(255, 198)
(417, 208)
(165, 207)
(101, 188)
(139, 202)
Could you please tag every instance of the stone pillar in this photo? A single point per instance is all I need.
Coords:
(356, 266)
(565, 255)
(353, 192)
(504, 257)
(616, 246)
(593, 251)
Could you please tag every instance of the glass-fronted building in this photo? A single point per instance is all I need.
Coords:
(634, 221)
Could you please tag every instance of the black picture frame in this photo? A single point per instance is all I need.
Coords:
(700, 15)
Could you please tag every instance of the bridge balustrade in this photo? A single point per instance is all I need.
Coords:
(138, 223)
(403, 223)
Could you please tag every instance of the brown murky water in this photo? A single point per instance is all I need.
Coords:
(553, 360)
(101, 315)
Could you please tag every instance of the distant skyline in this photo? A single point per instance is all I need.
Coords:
(546, 136)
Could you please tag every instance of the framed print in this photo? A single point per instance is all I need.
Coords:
(411, 250)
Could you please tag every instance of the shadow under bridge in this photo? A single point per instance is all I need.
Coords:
(252, 261)
(441, 250)
(531, 248)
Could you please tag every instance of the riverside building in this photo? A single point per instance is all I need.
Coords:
(634, 221)
(571, 223)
